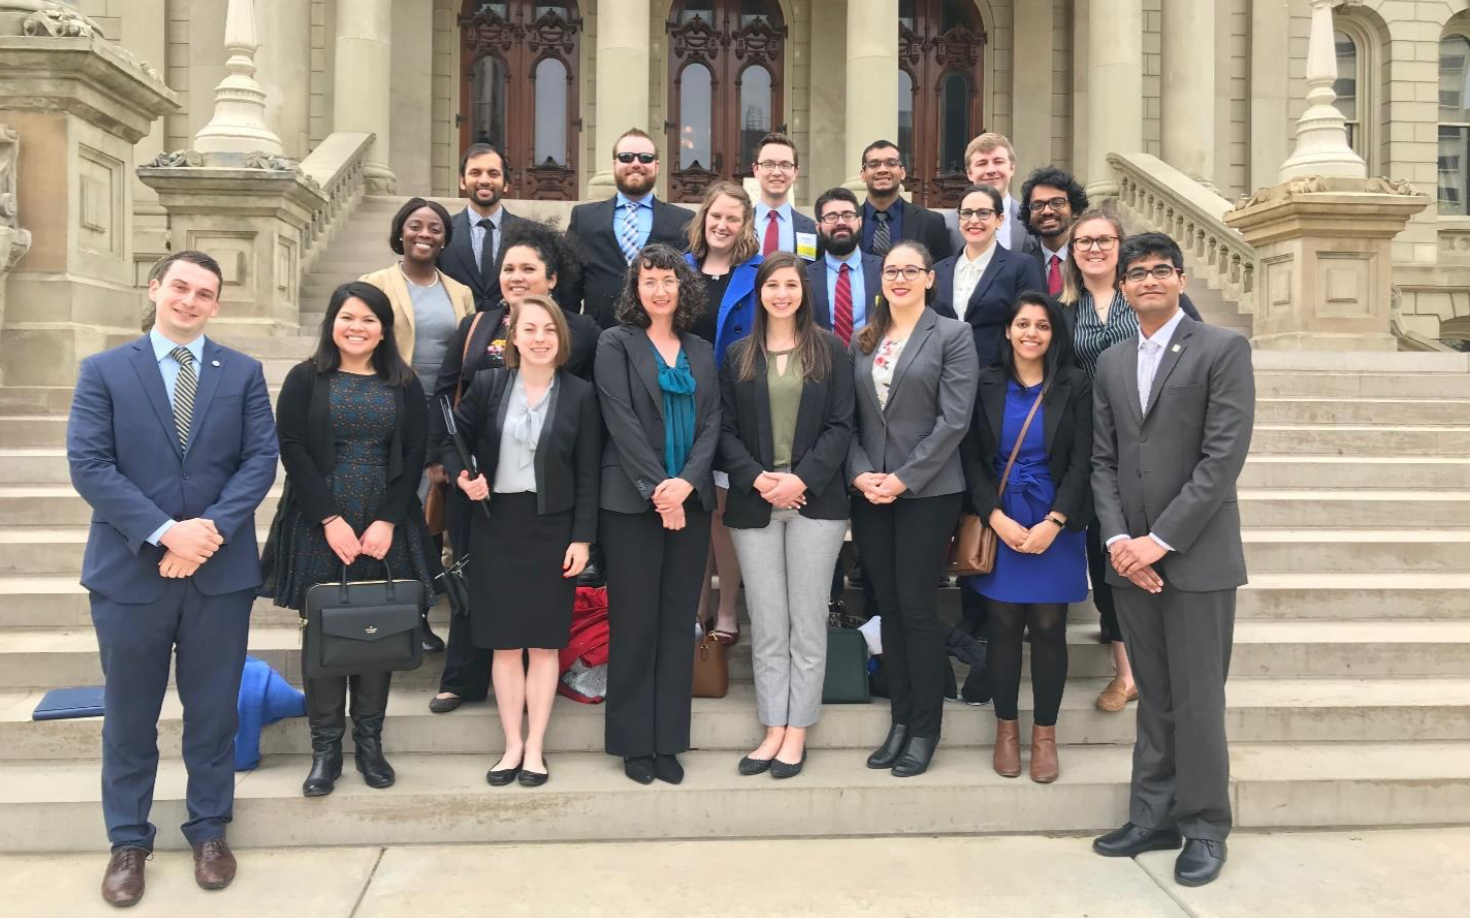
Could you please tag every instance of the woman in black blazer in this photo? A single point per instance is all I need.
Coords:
(536, 438)
(1041, 520)
(660, 400)
(980, 283)
(787, 399)
(351, 422)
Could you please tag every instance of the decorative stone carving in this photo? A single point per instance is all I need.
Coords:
(1322, 184)
(178, 159)
(14, 241)
(59, 23)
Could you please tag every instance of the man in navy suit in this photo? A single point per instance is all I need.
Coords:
(170, 441)
(777, 224)
(887, 217)
(845, 279)
(477, 231)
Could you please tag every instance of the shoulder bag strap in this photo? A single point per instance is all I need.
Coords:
(464, 358)
(1020, 438)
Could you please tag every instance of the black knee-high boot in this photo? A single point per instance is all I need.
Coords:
(326, 703)
(369, 705)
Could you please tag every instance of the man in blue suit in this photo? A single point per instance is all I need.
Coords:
(171, 442)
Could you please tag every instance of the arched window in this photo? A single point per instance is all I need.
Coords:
(1454, 125)
(1349, 78)
(941, 45)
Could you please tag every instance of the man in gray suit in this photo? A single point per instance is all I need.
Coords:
(1173, 415)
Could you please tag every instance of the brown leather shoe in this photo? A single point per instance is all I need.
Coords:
(214, 865)
(1115, 697)
(1044, 768)
(1007, 748)
(122, 885)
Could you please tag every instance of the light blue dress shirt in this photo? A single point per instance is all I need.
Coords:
(644, 216)
(786, 231)
(854, 261)
(169, 367)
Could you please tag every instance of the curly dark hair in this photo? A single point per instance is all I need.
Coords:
(1056, 178)
(557, 252)
(662, 257)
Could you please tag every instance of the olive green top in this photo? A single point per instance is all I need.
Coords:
(785, 393)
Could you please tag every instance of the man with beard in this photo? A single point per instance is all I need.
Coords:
(1051, 202)
(887, 217)
(611, 233)
(991, 160)
(777, 224)
(844, 280)
(476, 232)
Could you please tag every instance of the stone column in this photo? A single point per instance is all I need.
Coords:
(1321, 133)
(1115, 89)
(238, 125)
(1189, 88)
(361, 85)
(622, 85)
(872, 79)
(1035, 77)
(1270, 136)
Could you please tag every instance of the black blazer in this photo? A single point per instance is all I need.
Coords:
(309, 453)
(458, 258)
(919, 225)
(1008, 275)
(1066, 416)
(567, 455)
(816, 279)
(604, 269)
(824, 425)
(633, 410)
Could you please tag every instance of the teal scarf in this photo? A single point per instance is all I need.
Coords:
(677, 384)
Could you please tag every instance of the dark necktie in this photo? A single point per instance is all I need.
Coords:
(882, 240)
(1054, 276)
(773, 233)
(185, 388)
(487, 250)
(842, 306)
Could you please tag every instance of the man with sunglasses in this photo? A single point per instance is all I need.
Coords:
(611, 233)
(1173, 413)
(777, 224)
(1051, 202)
(887, 217)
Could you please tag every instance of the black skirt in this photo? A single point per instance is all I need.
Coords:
(518, 596)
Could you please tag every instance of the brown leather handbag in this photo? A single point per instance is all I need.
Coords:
(437, 501)
(973, 547)
(711, 669)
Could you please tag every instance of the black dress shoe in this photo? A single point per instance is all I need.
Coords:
(1131, 841)
(749, 766)
(591, 576)
(1200, 862)
(639, 768)
(892, 747)
(667, 768)
(917, 754)
(502, 777)
(439, 705)
(535, 778)
(432, 642)
(780, 769)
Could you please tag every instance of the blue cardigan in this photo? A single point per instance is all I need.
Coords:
(737, 310)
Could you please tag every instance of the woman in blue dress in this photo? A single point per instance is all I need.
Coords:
(1040, 519)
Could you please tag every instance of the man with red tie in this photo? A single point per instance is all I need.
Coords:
(777, 224)
(845, 279)
(1051, 201)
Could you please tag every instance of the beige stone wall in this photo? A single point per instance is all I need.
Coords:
(1232, 90)
(823, 166)
(323, 12)
(1062, 46)
(1000, 49)
(1153, 70)
(412, 91)
(444, 155)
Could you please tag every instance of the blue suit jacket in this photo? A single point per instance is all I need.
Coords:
(816, 279)
(1009, 275)
(737, 310)
(126, 463)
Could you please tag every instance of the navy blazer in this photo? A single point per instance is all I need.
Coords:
(816, 278)
(458, 258)
(126, 463)
(1008, 276)
(604, 270)
(736, 314)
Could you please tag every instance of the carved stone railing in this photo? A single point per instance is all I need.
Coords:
(1158, 197)
(337, 166)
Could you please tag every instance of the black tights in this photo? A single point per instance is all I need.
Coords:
(1047, 622)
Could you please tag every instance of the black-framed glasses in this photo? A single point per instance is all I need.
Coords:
(908, 272)
(771, 165)
(979, 213)
(644, 158)
(1101, 243)
(1157, 272)
(890, 163)
(1055, 204)
(841, 216)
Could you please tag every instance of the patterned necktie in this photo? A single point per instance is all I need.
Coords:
(487, 249)
(842, 306)
(882, 240)
(185, 388)
(628, 238)
(772, 241)
(1147, 366)
(1054, 276)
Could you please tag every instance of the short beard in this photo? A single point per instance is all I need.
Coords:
(635, 192)
(842, 248)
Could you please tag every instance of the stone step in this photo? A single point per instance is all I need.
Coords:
(53, 657)
(1444, 412)
(1258, 711)
(1356, 472)
(443, 798)
(1359, 440)
(29, 466)
(1349, 383)
(60, 505)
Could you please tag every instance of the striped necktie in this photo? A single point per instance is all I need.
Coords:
(882, 236)
(184, 390)
(628, 238)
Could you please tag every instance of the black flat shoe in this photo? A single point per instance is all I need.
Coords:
(917, 755)
(1200, 862)
(502, 777)
(444, 705)
(535, 778)
(432, 642)
(749, 766)
(780, 769)
(892, 747)
(1130, 841)
(639, 768)
(667, 768)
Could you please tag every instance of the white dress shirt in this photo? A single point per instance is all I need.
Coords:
(967, 274)
(1008, 222)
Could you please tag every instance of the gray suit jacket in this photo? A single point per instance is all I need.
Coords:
(916, 436)
(1172, 471)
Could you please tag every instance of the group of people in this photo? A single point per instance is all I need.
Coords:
(671, 395)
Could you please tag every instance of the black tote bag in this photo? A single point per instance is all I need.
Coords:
(362, 626)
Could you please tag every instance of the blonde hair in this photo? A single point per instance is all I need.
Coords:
(987, 142)
(1073, 286)
(745, 245)
(558, 319)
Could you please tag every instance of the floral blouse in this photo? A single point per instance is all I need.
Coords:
(885, 361)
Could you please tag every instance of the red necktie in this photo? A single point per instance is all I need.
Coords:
(773, 234)
(842, 306)
(1054, 276)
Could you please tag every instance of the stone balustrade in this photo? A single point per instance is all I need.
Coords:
(337, 166)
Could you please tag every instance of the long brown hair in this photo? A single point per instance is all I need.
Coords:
(880, 320)
(1073, 284)
(745, 244)
(811, 348)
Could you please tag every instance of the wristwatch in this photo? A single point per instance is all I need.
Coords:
(1059, 523)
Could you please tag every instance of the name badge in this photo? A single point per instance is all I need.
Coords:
(806, 246)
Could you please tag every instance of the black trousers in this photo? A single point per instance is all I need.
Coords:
(654, 576)
(903, 546)
(1102, 594)
(466, 667)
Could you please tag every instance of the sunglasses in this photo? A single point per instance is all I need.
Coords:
(644, 158)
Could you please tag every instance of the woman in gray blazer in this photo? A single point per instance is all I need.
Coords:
(915, 378)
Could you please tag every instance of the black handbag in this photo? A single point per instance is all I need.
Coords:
(846, 681)
(362, 626)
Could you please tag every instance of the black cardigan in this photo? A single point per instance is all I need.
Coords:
(309, 452)
(824, 428)
(568, 454)
(1066, 416)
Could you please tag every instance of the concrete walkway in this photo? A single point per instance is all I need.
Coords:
(1403, 873)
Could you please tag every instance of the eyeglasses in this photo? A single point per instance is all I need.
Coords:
(908, 272)
(842, 216)
(1101, 243)
(979, 213)
(644, 158)
(654, 283)
(890, 163)
(1056, 204)
(770, 165)
(1157, 272)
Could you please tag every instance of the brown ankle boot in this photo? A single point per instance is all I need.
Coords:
(1044, 767)
(1007, 748)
